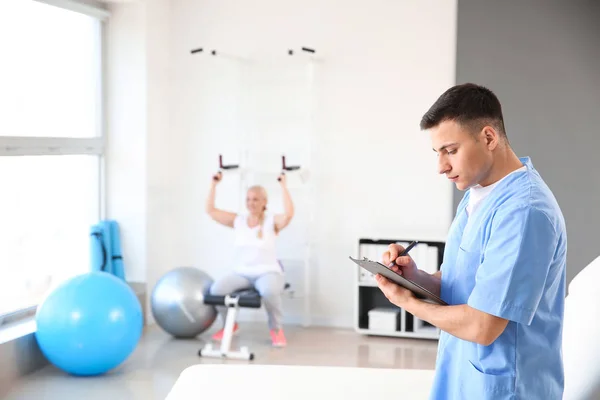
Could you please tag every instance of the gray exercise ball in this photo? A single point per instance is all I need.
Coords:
(177, 302)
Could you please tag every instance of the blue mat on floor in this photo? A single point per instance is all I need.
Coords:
(105, 248)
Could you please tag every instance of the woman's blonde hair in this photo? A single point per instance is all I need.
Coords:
(262, 192)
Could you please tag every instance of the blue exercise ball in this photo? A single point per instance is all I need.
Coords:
(89, 324)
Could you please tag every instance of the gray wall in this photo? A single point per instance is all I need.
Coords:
(542, 59)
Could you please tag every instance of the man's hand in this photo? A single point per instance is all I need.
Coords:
(395, 293)
(406, 264)
(462, 321)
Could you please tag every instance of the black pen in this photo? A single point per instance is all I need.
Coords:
(410, 246)
(405, 252)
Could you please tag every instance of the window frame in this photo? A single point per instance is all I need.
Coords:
(14, 146)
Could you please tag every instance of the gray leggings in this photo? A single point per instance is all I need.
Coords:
(269, 285)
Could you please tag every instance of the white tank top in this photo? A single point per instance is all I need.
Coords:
(254, 256)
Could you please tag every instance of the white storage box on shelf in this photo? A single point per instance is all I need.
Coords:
(384, 319)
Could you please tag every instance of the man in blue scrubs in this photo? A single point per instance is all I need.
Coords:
(503, 273)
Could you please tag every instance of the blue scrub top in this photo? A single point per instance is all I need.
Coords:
(507, 259)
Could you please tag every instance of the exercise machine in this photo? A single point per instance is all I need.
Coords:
(241, 298)
(248, 298)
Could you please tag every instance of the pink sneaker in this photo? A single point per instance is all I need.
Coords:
(219, 335)
(278, 338)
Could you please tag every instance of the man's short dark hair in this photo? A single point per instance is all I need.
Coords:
(469, 105)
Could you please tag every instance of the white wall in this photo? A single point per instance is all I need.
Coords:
(373, 173)
(126, 131)
(163, 163)
(139, 170)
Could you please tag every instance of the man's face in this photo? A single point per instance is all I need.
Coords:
(463, 157)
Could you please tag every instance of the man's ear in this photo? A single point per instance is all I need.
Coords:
(491, 137)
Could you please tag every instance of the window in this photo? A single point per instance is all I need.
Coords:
(51, 146)
(48, 205)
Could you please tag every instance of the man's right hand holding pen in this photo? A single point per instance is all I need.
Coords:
(397, 259)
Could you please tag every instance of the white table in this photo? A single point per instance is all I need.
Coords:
(581, 335)
(269, 382)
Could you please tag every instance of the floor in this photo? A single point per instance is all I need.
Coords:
(151, 371)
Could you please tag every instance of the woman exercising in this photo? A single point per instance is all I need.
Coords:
(255, 260)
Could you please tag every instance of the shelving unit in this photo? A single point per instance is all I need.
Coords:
(428, 255)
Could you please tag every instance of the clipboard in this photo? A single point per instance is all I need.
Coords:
(420, 292)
